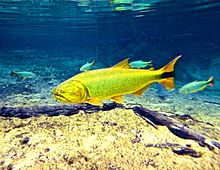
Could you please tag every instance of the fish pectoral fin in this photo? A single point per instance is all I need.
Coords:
(122, 65)
(94, 101)
(142, 90)
(118, 99)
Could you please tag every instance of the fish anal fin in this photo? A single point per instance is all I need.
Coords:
(94, 101)
(142, 90)
(118, 99)
(168, 83)
(122, 65)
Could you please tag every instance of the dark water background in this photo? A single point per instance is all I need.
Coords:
(48, 33)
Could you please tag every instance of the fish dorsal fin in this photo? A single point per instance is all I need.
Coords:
(141, 91)
(122, 65)
(118, 99)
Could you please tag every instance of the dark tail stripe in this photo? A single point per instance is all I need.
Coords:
(167, 75)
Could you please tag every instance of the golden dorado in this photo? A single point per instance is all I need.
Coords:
(112, 83)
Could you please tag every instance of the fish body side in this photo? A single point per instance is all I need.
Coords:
(107, 83)
(112, 83)
(196, 86)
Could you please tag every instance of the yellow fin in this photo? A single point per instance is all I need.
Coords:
(168, 83)
(167, 76)
(170, 66)
(122, 65)
(141, 91)
(94, 101)
(118, 99)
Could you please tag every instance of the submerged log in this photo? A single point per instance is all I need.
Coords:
(26, 112)
(153, 117)
(177, 129)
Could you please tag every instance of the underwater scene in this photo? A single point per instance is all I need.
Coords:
(110, 84)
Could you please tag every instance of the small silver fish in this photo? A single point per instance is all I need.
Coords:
(196, 86)
(22, 74)
(87, 66)
(140, 64)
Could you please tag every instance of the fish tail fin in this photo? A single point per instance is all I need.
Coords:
(211, 81)
(167, 76)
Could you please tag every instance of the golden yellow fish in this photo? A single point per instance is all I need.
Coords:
(112, 83)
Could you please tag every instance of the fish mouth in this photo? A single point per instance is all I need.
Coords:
(60, 97)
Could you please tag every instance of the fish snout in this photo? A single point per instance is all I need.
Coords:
(57, 91)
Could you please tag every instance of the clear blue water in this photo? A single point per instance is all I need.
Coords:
(62, 35)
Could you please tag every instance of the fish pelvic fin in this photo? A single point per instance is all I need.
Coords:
(118, 99)
(167, 76)
(122, 65)
(211, 81)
